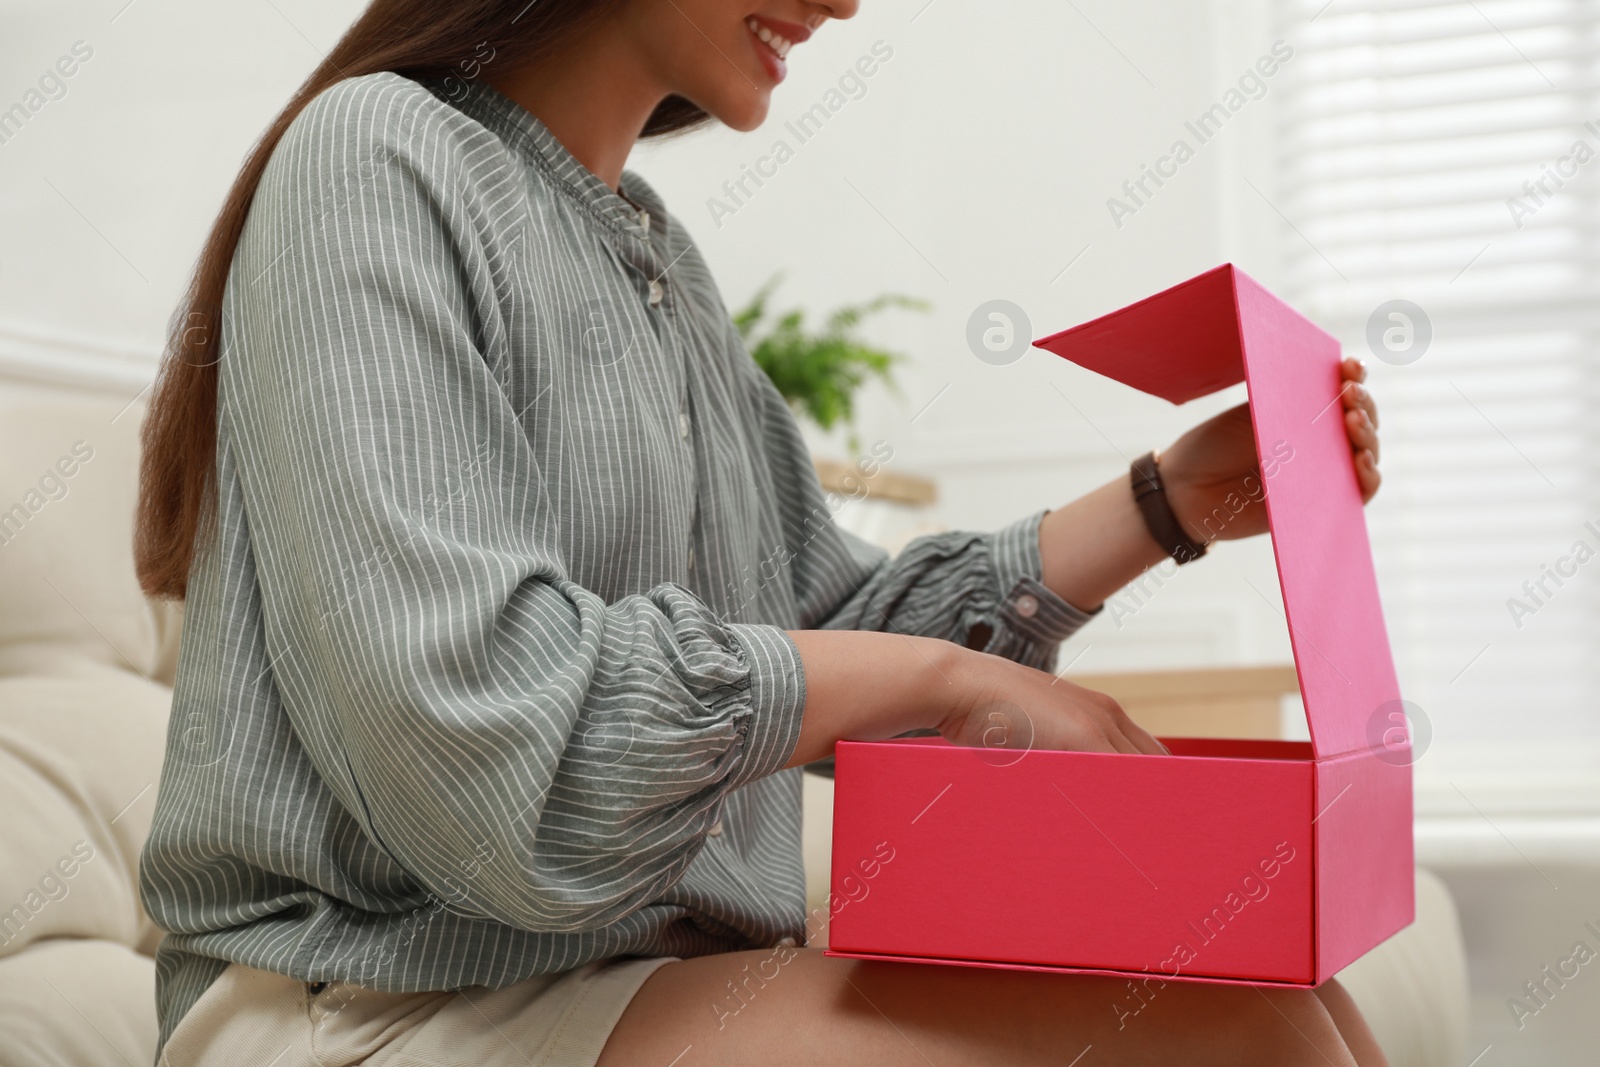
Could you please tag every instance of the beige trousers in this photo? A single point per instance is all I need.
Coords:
(254, 1018)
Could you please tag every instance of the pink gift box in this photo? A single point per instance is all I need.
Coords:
(1269, 862)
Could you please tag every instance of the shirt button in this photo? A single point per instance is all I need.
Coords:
(644, 221)
(1027, 606)
(691, 557)
(786, 942)
(716, 829)
(656, 292)
(683, 426)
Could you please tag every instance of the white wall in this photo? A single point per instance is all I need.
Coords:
(107, 192)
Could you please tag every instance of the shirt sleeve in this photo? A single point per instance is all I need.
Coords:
(524, 750)
(982, 590)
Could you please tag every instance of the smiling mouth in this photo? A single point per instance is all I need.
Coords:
(777, 44)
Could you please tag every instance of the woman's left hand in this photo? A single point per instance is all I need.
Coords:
(1213, 477)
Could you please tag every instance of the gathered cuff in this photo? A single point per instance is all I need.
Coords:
(777, 698)
(1029, 613)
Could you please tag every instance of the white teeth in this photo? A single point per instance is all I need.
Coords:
(779, 45)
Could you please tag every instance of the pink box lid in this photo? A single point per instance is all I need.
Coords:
(1217, 330)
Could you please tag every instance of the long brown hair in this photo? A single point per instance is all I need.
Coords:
(417, 38)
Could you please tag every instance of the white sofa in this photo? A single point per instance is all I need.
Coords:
(86, 666)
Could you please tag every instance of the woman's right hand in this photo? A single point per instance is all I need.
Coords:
(1011, 706)
(863, 686)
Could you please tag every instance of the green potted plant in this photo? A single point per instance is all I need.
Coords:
(819, 373)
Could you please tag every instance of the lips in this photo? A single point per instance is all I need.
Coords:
(773, 39)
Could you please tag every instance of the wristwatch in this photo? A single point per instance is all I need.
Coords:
(1151, 496)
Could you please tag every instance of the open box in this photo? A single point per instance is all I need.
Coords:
(1249, 861)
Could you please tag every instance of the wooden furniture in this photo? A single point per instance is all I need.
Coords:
(889, 486)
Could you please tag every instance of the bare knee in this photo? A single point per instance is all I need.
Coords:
(1288, 1027)
(1358, 1037)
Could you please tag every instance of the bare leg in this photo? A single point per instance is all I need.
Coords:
(1352, 1027)
(741, 1008)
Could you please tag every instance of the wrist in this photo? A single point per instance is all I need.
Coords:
(1096, 545)
(964, 677)
(940, 681)
(1183, 495)
(1159, 502)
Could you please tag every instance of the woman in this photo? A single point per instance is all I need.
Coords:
(514, 608)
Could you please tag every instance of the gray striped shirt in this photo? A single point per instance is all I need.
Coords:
(485, 674)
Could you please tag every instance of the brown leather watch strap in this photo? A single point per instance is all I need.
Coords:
(1151, 496)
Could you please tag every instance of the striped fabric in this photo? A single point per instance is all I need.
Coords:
(485, 675)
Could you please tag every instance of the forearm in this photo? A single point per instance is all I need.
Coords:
(1095, 545)
(868, 686)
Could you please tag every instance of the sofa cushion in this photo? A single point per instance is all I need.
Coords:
(77, 1004)
(79, 762)
(1412, 989)
(68, 594)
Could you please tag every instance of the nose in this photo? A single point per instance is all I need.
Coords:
(832, 9)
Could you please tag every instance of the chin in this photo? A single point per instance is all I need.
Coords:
(743, 114)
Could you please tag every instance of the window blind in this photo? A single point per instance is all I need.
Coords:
(1447, 154)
